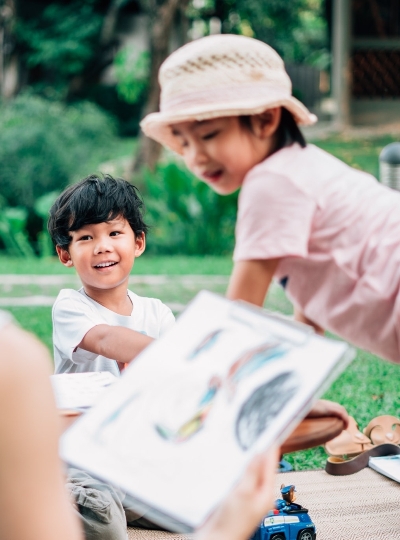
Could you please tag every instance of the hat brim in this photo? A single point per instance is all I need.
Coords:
(158, 125)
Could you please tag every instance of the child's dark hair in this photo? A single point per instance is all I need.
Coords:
(288, 131)
(95, 199)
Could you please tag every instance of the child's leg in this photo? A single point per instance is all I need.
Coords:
(138, 520)
(99, 506)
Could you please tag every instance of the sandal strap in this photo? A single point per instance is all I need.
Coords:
(385, 422)
(341, 467)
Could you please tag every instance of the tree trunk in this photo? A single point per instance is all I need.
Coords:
(162, 16)
(104, 55)
(9, 60)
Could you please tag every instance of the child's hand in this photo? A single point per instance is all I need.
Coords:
(323, 407)
(242, 511)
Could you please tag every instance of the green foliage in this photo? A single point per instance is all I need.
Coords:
(42, 209)
(12, 232)
(44, 145)
(132, 73)
(61, 40)
(296, 29)
(185, 215)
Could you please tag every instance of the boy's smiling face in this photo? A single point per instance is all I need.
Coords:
(221, 151)
(103, 254)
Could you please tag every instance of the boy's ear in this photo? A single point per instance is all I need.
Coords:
(64, 256)
(266, 123)
(140, 244)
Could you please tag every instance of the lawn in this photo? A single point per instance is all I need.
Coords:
(359, 153)
(170, 265)
(367, 388)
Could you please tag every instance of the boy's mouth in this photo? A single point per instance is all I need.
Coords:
(105, 264)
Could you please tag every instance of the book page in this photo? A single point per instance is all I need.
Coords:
(387, 465)
(179, 427)
(80, 390)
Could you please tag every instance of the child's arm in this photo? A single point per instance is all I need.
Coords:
(324, 407)
(242, 511)
(33, 500)
(250, 280)
(115, 342)
(299, 316)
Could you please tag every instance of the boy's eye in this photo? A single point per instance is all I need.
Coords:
(115, 233)
(210, 135)
(85, 237)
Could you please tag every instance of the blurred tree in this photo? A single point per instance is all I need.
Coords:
(296, 29)
(66, 46)
(9, 69)
(162, 15)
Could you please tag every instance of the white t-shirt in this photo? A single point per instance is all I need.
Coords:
(74, 314)
(337, 232)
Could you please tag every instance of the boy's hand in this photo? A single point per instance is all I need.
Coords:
(243, 509)
(324, 407)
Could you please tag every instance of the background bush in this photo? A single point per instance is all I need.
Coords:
(45, 145)
(185, 215)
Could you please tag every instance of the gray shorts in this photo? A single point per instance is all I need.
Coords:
(103, 510)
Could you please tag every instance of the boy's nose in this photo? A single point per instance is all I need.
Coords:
(103, 246)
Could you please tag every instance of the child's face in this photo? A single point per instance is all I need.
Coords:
(221, 151)
(103, 253)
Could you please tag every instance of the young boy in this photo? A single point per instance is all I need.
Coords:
(97, 226)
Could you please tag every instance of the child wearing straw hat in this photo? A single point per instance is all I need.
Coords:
(329, 233)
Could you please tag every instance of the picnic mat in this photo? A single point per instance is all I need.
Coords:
(363, 506)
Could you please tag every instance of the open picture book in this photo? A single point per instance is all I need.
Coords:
(387, 465)
(177, 430)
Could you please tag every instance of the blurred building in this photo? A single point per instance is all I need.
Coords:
(366, 60)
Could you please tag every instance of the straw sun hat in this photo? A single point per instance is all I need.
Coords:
(221, 75)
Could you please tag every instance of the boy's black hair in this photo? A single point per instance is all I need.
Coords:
(95, 199)
(288, 131)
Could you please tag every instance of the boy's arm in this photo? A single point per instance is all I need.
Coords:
(115, 342)
(250, 280)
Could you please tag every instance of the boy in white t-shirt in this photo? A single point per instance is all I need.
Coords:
(97, 226)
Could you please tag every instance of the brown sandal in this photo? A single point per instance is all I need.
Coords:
(384, 429)
(342, 467)
(350, 442)
(384, 433)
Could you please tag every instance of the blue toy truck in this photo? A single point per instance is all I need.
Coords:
(288, 521)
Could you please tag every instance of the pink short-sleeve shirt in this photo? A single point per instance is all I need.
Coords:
(337, 231)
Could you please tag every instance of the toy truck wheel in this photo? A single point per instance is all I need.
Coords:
(305, 535)
(278, 537)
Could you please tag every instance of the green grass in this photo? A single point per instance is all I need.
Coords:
(367, 388)
(147, 264)
(36, 320)
(362, 154)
